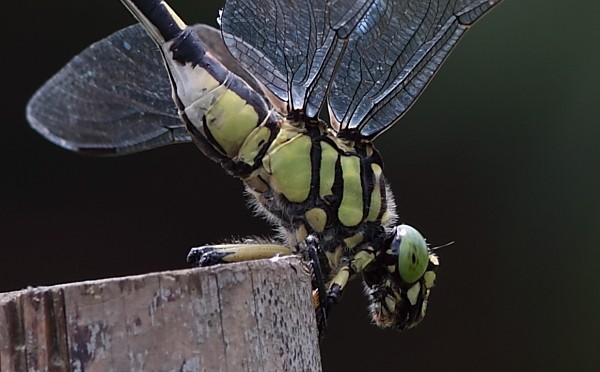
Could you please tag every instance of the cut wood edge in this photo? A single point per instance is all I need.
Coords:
(256, 315)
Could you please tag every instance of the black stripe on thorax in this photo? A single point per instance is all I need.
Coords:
(337, 188)
(367, 178)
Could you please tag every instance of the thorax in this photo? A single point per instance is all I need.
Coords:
(308, 181)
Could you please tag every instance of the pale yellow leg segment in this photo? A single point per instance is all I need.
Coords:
(362, 259)
(248, 252)
(336, 286)
(226, 253)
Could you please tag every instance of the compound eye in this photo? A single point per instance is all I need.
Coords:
(413, 254)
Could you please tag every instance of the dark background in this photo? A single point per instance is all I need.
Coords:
(501, 155)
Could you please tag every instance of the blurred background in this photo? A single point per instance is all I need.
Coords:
(501, 155)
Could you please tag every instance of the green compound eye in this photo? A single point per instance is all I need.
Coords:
(413, 254)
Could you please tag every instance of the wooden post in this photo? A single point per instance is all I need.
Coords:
(252, 316)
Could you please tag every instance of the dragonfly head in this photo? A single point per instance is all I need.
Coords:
(399, 281)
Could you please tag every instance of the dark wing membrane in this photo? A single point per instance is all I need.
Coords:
(291, 46)
(392, 55)
(113, 98)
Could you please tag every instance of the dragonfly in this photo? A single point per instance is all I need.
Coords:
(287, 96)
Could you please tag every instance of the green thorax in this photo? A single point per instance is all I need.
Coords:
(312, 182)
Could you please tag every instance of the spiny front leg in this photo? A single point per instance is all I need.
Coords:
(209, 255)
(316, 258)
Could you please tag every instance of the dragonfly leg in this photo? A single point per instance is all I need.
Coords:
(209, 255)
(320, 302)
(325, 299)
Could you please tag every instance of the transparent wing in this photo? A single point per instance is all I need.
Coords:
(371, 58)
(291, 45)
(391, 57)
(113, 98)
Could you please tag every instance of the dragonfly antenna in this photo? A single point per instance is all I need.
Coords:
(442, 246)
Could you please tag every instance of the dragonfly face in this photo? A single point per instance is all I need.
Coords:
(250, 97)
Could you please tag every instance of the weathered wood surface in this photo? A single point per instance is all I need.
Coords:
(254, 316)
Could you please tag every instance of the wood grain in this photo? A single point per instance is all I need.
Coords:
(252, 316)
